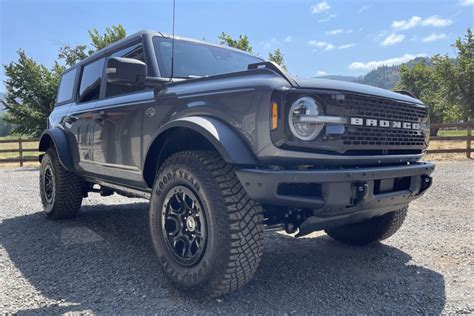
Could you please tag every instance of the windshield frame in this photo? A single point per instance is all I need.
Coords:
(159, 62)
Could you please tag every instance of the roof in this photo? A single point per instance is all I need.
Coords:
(131, 38)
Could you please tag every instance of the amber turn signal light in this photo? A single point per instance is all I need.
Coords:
(274, 115)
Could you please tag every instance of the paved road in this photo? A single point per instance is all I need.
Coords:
(102, 261)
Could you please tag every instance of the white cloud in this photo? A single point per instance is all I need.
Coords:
(345, 46)
(467, 2)
(320, 7)
(288, 39)
(393, 39)
(371, 65)
(321, 73)
(329, 17)
(339, 31)
(436, 21)
(434, 37)
(334, 32)
(325, 46)
(406, 24)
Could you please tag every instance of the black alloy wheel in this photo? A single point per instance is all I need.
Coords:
(184, 225)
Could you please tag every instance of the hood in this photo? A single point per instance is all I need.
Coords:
(328, 84)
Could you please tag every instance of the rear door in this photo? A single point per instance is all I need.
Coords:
(117, 127)
(79, 119)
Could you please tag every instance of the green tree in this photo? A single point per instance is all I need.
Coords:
(72, 55)
(426, 84)
(419, 81)
(111, 35)
(241, 43)
(277, 57)
(5, 127)
(446, 85)
(30, 93)
(459, 75)
(31, 87)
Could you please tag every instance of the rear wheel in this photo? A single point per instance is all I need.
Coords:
(205, 230)
(61, 190)
(371, 230)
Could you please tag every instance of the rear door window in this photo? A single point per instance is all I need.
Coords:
(91, 80)
(66, 86)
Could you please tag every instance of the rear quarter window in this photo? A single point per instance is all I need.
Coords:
(66, 86)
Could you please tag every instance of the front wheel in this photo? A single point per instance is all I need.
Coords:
(205, 230)
(371, 230)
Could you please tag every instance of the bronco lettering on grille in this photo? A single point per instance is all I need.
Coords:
(358, 121)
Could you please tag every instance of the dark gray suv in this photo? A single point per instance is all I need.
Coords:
(226, 146)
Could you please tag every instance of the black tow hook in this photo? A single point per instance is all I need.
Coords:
(426, 182)
(360, 191)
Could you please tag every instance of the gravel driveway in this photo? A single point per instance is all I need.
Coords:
(102, 261)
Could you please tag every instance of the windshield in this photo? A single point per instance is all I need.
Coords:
(198, 60)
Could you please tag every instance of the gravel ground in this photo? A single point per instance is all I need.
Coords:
(102, 261)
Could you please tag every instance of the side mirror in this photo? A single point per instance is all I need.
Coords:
(126, 71)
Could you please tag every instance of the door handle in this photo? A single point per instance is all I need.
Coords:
(99, 116)
(70, 119)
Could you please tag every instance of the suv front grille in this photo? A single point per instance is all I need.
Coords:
(378, 136)
(378, 108)
(368, 139)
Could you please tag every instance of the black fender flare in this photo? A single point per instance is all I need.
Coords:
(226, 141)
(58, 139)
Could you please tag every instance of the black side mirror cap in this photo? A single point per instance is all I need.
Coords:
(126, 71)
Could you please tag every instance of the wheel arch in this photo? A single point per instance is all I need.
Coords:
(57, 138)
(192, 133)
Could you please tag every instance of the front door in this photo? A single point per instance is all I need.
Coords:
(117, 126)
(117, 136)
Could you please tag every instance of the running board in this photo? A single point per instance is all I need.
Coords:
(130, 192)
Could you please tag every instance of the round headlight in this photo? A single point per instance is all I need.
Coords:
(304, 130)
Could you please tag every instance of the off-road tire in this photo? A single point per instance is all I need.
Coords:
(67, 194)
(234, 225)
(371, 230)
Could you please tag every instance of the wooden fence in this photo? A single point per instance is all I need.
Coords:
(468, 138)
(19, 150)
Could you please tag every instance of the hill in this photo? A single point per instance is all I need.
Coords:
(385, 77)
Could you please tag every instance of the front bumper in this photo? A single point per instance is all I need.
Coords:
(339, 196)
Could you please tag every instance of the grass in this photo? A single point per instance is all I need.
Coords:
(452, 132)
(29, 145)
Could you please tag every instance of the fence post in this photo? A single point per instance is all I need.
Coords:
(20, 149)
(469, 137)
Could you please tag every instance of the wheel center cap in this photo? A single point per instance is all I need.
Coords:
(190, 224)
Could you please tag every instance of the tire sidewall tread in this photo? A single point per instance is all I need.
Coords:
(370, 231)
(68, 189)
(235, 224)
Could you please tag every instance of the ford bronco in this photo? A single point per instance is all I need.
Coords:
(226, 146)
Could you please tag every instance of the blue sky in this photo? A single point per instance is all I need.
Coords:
(316, 37)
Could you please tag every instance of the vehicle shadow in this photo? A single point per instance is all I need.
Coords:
(102, 262)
